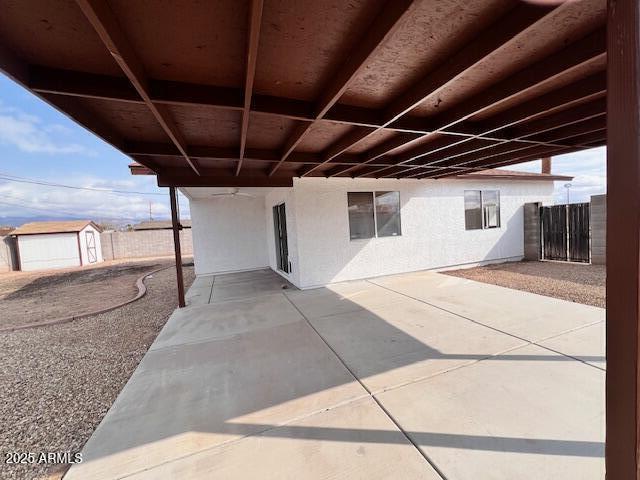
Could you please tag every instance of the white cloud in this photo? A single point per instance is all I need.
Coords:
(29, 134)
(24, 199)
(588, 167)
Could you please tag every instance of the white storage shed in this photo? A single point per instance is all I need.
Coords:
(47, 245)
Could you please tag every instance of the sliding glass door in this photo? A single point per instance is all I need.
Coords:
(280, 231)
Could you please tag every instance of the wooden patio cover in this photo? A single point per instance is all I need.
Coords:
(254, 93)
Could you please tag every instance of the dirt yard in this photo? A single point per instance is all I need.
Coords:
(57, 382)
(575, 282)
(30, 297)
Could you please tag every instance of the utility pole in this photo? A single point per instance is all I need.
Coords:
(567, 186)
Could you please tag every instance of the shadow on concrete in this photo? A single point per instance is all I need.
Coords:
(266, 355)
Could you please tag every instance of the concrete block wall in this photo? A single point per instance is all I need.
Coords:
(143, 243)
(532, 231)
(598, 229)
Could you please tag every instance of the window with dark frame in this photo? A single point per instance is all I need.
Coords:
(481, 209)
(373, 214)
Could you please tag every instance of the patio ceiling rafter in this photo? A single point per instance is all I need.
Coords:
(103, 20)
(510, 25)
(350, 101)
(560, 137)
(503, 151)
(255, 19)
(590, 88)
(383, 27)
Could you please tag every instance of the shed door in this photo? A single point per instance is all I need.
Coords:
(43, 251)
(91, 246)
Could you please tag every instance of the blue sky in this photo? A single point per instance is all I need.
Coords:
(39, 143)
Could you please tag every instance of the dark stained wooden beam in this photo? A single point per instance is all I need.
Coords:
(597, 140)
(369, 157)
(338, 147)
(255, 19)
(587, 49)
(18, 70)
(220, 178)
(45, 80)
(523, 155)
(566, 133)
(176, 227)
(622, 448)
(591, 87)
(383, 27)
(569, 116)
(503, 30)
(70, 108)
(103, 20)
(81, 84)
(143, 149)
(571, 135)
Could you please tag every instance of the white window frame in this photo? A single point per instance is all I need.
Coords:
(482, 210)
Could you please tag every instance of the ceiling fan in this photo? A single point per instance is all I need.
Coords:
(232, 193)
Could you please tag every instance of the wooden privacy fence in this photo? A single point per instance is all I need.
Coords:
(565, 232)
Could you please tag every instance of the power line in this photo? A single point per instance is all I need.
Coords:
(14, 178)
(56, 210)
(46, 210)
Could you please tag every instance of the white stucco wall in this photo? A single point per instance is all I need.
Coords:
(83, 245)
(229, 233)
(276, 197)
(433, 231)
(53, 250)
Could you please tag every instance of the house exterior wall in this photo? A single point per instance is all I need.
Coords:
(45, 251)
(229, 234)
(83, 245)
(236, 232)
(432, 222)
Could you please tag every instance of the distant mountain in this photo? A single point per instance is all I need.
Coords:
(17, 221)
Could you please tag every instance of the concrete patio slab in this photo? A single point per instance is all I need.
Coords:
(249, 276)
(205, 281)
(248, 387)
(225, 319)
(341, 298)
(526, 315)
(586, 344)
(188, 397)
(351, 441)
(530, 414)
(406, 341)
(198, 295)
(249, 288)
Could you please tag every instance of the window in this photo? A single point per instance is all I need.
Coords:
(481, 209)
(361, 216)
(373, 214)
(387, 213)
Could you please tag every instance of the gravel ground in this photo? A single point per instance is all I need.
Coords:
(575, 282)
(29, 297)
(57, 382)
